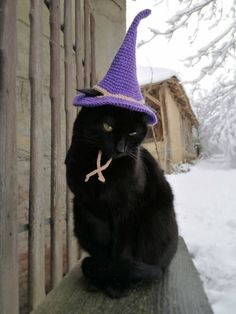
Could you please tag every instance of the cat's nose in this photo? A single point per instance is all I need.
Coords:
(120, 147)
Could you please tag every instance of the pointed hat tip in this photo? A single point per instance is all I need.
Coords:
(142, 14)
(145, 12)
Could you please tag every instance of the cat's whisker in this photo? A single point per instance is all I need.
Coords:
(133, 156)
(144, 164)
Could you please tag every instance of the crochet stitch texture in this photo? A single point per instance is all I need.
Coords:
(120, 87)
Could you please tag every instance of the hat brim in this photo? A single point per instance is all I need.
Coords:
(117, 102)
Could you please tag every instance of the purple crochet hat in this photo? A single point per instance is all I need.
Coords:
(120, 87)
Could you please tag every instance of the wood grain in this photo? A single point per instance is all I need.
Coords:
(78, 46)
(36, 252)
(166, 133)
(87, 46)
(179, 292)
(93, 50)
(72, 252)
(55, 95)
(8, 160)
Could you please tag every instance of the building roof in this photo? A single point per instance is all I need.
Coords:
(151, 76)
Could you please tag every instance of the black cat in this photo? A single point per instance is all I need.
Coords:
(126, 224)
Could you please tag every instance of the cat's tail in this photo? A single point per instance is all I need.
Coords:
(121, 272)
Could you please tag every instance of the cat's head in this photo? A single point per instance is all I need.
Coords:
(116, 131)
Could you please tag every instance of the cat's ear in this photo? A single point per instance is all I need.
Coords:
(90, 92)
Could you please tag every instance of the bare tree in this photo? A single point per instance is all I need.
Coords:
(213, 14)
(216, 109)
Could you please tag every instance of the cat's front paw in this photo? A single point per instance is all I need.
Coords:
(91, 286)
(88, 266)
(115, 293)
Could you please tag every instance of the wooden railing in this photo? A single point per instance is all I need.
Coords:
(9, 299)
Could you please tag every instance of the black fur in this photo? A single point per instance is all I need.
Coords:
(127, 224)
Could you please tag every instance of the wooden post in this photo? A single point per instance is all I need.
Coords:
(93, 49)
(69, 110)
(78, 48)
(87, 61)
(164, 116)
(146, 95)
(155, 142)
(78, 56)
(36, 195)
(8, 161)
(55, 95)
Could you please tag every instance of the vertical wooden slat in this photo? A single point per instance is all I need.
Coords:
(87, 61)
(78, 56)
(8, 161)
(78, 48)
(36, 194)
(155, 142)
(93, 49)
(164, 115)
(71, 248)
(55, 95)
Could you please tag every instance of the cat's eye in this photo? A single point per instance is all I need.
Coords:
(132, 133)
(107, 127)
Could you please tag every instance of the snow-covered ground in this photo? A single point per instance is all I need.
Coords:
(205, 200)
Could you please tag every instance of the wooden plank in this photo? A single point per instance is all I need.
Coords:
(55, 95)
(68, 48)
(93, 50)
(8, 161)
(153, 99)
(179, 292)
(36, 252)
(78, 46)
(155, 142)
(164, 116)
(87, 61)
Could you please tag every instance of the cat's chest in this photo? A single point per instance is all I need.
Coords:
(122, 189)
(114, 200)
(107, 194)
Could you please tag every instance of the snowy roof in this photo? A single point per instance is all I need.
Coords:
(151, 75)
(148, 75)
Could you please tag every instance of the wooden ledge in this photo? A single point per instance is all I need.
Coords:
(179, 292)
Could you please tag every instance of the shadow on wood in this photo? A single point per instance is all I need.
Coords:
(180, 291)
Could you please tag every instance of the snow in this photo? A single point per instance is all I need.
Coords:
(205, 201)
(147, 75)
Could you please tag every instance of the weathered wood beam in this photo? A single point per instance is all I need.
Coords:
(8, 161)
(36, 252)
(166, 133)
(69, 110)
(178, 93)
(153, 99)
(180, 291)
(155, 142)
(78, 46)
(55, 95)
(87, 54)
(93, 50)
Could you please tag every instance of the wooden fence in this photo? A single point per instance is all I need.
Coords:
(85, 77)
